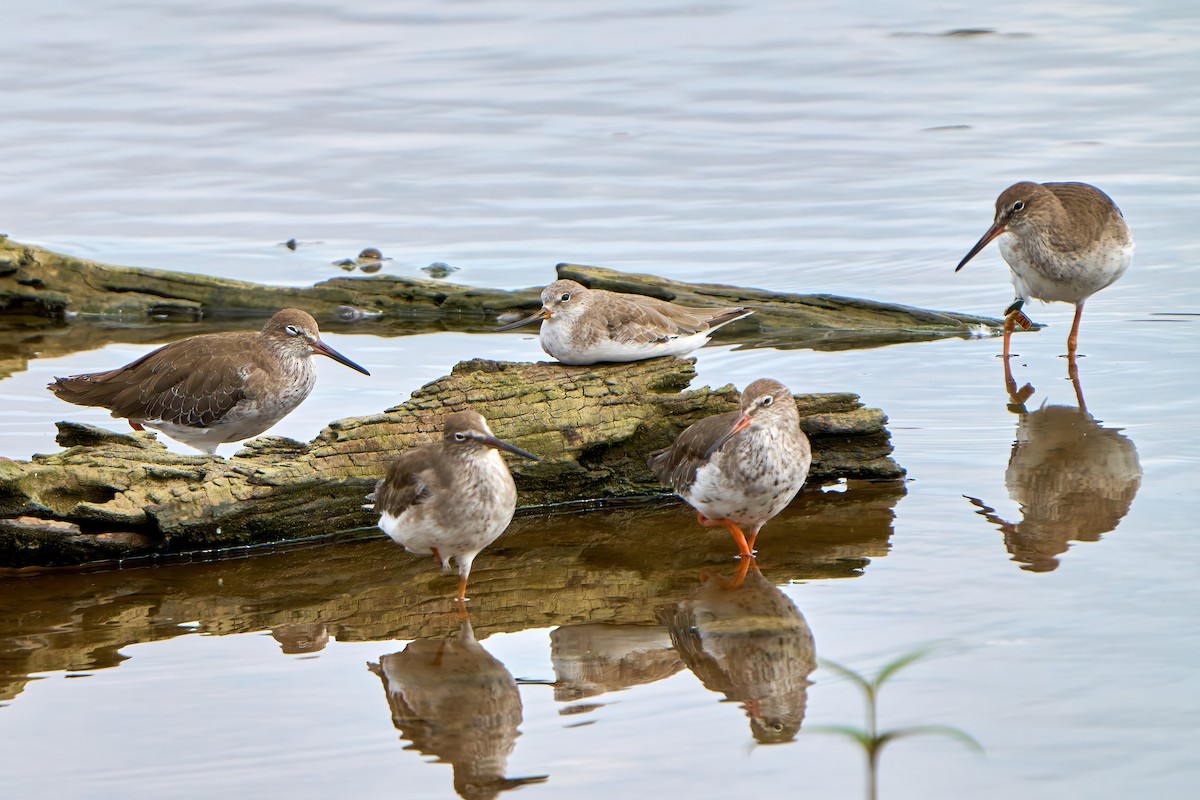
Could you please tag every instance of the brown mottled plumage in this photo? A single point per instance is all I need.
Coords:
(1063, 242)
(743, 467)
(213, 388)
(588, 326)
(450, 499)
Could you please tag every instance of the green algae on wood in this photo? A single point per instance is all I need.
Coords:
(40, 282)
(593, 427)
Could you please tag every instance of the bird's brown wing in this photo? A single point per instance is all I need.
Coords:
(648, 320)
(410, 481)
(676, 465)
(192, 382)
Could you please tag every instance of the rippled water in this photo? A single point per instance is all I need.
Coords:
(815, 147)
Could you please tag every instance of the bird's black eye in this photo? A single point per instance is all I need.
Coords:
(460, 437)
(1017, 206)
(292, 330)
(565, 296)
(766, 401)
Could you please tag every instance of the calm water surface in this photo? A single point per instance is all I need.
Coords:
(806, 147)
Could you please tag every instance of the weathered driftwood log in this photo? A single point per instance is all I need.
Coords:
(40, 283)
(124, 493)
(608, 567)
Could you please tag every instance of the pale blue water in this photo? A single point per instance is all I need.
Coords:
(808, 147)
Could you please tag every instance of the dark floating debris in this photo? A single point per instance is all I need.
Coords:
(292, 244)
(369, 260)
(960, 33)
(439, 269)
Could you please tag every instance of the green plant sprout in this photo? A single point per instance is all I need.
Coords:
(870, 739)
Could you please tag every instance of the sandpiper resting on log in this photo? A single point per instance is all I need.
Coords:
(1065, 242)
(213, 388)
(590, 326)
(743, 467)
(450, 499)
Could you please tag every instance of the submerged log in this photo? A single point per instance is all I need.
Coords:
(613, 567)
(39, 284)
(593, 426)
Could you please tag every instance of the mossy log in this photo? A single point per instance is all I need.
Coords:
(616, 567)
(39, 283)
(110, 495)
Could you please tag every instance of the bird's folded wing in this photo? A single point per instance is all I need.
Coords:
(185, 383)
(406, 485)
(676, 465)
(643, 322)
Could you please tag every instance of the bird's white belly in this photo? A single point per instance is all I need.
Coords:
(746, 496)
(557, 340)
(1049, 276)
(459, 524)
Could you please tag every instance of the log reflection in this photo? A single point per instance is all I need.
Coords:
(611, 567)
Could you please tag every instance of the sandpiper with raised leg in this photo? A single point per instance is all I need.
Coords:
(1064, 243)
(452, 498)
(741, 468)
(213, 388)
(590, 326)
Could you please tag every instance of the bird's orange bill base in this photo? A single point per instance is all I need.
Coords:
(742, 422)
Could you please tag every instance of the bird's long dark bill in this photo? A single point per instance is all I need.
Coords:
(492, 441)
(992, 232)
(543, 314)
(741, 424)
(325, 350)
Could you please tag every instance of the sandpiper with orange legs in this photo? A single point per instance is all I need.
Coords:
(450, 499)
(1063, 243)
(741, 468)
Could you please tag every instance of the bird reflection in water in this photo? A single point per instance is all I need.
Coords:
(745, 639)
(1073, 479)
(455, 701)
(296, 638)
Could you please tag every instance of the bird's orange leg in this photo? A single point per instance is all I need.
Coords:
(738, 537)
(462, 589)
(436, 554)
(750, 539)
(1073, 337)
(1009, 324)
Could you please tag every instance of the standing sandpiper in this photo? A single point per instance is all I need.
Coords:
(1065, 242)
(450, 499)
(743, 467)
(589, 326)
(213, 388)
